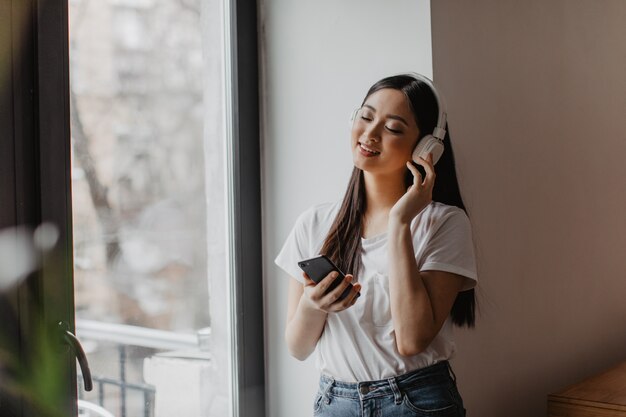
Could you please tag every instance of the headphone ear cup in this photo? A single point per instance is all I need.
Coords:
(428, 144)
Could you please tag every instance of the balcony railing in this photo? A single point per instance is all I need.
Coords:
(125, 336)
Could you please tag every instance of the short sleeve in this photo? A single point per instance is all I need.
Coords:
(451, 249)
(295, 248)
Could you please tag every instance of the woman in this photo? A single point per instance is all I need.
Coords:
(406, 245)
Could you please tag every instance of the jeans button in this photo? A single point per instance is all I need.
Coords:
(364, 389)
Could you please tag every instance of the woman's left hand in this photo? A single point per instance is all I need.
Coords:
(418, 195)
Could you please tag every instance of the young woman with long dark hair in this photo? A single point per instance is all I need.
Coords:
(405, 243)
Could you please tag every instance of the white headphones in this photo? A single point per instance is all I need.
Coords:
(432, 143)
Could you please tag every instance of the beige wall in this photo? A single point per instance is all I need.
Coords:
(536, 92)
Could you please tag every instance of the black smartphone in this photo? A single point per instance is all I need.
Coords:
(319, 267)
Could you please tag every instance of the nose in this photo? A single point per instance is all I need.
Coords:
(372, 132)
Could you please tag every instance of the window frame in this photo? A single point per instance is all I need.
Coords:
(244, 171)
(36, 182)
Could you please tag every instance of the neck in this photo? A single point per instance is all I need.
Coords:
(382, 191)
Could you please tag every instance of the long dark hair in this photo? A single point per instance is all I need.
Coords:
(343, 242)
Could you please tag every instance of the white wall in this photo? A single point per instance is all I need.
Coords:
(318, 60)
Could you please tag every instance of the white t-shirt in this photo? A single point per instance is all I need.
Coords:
(358, 344)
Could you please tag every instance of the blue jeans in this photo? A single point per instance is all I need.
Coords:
(429, 391)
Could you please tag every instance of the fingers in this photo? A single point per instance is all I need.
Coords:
(417, 177)
(331, 301)
(318, 292)
(428, 167)
(356, 295)
(349, 301)
(325, 283)
(334, 295)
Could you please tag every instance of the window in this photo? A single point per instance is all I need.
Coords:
(162, 223)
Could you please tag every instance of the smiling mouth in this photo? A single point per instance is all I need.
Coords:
(368, 150)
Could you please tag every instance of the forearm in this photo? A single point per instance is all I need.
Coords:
(411, 309)
(304, 330)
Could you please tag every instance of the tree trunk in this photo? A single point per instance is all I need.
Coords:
(99, 193)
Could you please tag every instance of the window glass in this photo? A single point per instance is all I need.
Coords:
(148, 196)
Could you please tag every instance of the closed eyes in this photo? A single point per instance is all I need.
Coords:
(394, 131)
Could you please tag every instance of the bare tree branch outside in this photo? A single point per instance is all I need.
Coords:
(143, 187)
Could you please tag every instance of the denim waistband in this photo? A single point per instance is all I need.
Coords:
(439, 373)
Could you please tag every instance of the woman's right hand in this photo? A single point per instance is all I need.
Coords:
(314, 293)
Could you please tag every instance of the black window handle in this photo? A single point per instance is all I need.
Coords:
(77, 348)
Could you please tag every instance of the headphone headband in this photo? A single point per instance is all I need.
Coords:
(440, 130)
